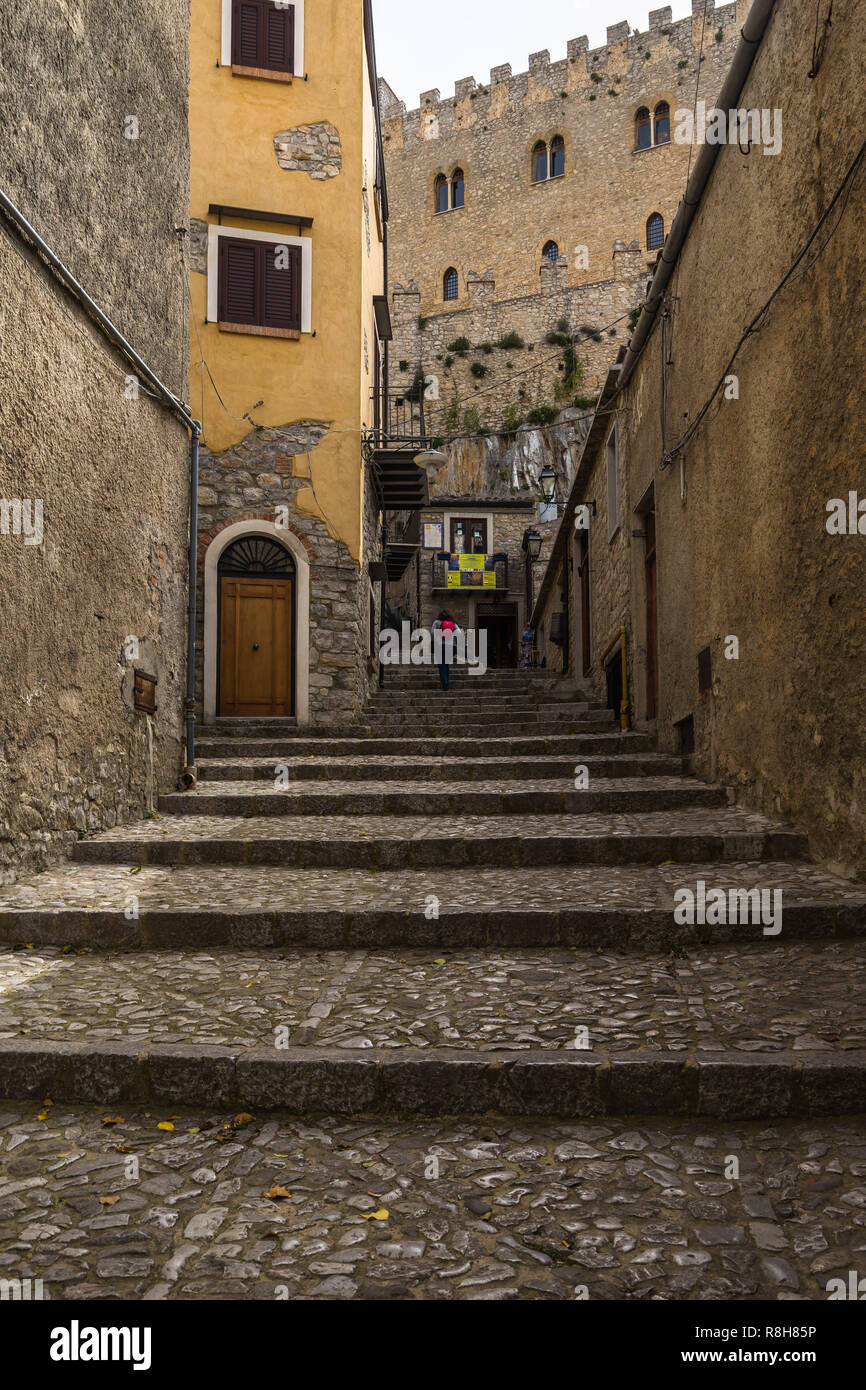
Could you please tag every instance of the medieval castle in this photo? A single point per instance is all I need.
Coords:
(528, 212)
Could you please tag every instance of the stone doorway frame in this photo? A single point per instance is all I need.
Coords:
(220, 543)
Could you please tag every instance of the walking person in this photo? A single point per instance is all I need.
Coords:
(449, 629)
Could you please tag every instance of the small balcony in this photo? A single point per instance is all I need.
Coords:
(487, 573)
(401, 418)
(398, 433)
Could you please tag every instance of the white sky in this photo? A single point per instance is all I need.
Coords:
(421, 44)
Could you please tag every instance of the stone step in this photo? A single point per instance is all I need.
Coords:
(474, 698)
(729, 1032)
(542, 724)
(109, 907)
(475, 711)
(395, 674)
(419, 768)
(482, 798)
(601, 745)
(446, 844)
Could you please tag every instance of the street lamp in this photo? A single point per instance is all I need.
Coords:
(547, 483)
(532, 543)
(431, 460)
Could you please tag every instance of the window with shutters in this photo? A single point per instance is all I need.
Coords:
(260, 284)
(263, 38)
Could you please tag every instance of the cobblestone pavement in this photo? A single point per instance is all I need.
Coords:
(691, 823)
(109, 1206)
(757, 998)
(243, 888)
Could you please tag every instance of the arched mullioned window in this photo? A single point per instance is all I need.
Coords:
(256, 555)
(440, 193)
(655, 232)
(643, 129)
(450, 284)
(550, 250)
(557, 157)
(662, 124)
(458, 189)
(539, 162)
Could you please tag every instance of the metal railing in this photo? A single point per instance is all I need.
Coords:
(401, 418)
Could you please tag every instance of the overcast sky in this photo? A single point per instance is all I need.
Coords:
(421, 44)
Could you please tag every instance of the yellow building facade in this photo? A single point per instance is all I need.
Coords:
(288, 327)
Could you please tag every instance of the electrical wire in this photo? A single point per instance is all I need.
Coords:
(842, 195)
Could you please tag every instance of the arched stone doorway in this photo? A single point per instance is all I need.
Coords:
(256, 630)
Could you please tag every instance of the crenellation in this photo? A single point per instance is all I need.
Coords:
(681, 33)
(464, 87)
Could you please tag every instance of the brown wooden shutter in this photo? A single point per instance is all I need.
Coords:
(263, 35)
(247, 33)
(282, 288)
(279, 48)
(238, 300)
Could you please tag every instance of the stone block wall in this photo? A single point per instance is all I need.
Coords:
(96, 158)
(496, 383)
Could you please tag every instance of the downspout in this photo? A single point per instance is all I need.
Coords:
(190, 777)
(752, 34)
(170, 401)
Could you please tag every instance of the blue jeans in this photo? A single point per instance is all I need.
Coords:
(444, 674)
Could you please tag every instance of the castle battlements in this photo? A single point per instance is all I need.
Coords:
(583, 71)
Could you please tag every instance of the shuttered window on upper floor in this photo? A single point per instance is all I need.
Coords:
(263, 36)
(260, 285)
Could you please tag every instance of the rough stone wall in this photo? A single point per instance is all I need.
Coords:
(310, 149)
(110, 468)
(609, 189)
(493, 383)
(742, 541)
(264, 472)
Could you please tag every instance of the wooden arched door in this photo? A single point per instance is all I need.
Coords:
(256, 627)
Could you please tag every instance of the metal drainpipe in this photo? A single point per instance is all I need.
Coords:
(190, 777)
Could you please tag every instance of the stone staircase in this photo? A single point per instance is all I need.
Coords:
(427, 912)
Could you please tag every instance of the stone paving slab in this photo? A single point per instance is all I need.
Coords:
(425, 1209)
(417, 797)
(455, 841)
(749, 998)
(118, 907)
